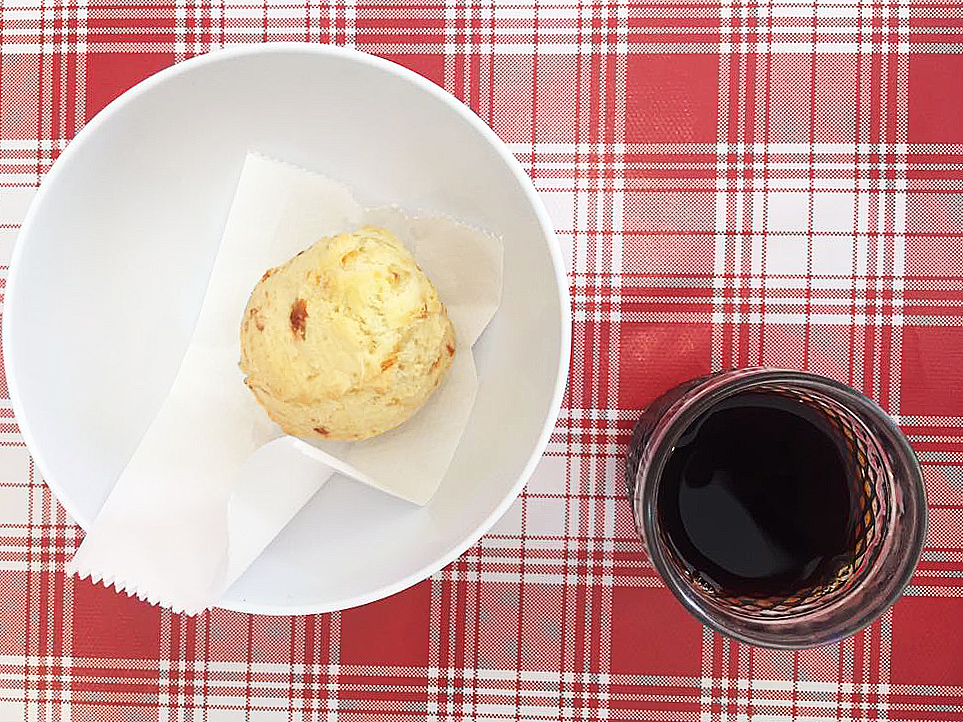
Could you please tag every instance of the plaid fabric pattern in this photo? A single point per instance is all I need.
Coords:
(734, 182)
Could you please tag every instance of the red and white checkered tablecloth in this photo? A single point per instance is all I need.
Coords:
(734, 182)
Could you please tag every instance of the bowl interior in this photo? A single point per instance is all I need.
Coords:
(112, 267)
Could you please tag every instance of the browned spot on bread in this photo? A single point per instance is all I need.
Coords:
(434, 364)
(323, 281)
(348, 256)
(423, 313)
(299, 316)
(388, 363)
(321, 430)
(451, 349)
(255, 315)
(267, 274)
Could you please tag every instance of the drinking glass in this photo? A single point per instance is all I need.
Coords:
(890, 523)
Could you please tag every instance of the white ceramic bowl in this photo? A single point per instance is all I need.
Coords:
(112, 261)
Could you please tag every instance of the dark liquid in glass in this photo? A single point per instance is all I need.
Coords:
(758, 497)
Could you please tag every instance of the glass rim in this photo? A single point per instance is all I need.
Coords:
(772, 632)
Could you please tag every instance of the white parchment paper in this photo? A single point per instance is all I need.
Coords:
(195, 504)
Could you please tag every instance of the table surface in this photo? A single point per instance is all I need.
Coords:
(733, 183)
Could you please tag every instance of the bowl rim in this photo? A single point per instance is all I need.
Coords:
(402, 73)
